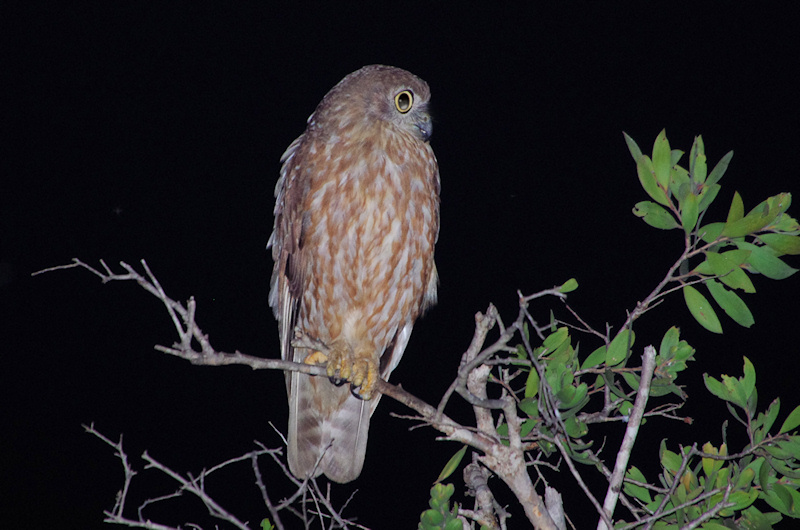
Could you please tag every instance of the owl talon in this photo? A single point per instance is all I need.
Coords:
(361, 371)
(355, 391)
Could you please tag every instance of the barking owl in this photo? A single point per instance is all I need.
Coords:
(356, 221)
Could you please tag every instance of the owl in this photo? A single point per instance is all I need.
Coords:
(356, 221)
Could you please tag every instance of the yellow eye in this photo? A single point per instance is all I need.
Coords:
(403, 101)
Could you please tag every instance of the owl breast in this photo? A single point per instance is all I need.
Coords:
(372, 230)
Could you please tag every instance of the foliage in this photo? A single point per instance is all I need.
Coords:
(565, 393)
(440, 516)
(730, 249)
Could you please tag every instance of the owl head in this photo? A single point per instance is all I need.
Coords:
(378, 93)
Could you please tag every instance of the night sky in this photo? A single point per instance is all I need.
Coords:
(154, 131)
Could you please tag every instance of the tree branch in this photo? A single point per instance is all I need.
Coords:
(635, 420)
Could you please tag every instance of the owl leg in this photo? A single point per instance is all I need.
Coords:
(359, 367)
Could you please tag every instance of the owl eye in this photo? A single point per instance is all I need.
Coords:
(403, 101)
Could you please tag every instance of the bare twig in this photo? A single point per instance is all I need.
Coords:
(577, 476)
(195, 486)
(624, 454)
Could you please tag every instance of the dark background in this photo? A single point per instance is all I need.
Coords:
(136, 130)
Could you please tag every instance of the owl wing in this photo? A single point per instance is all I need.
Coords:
(288, 273)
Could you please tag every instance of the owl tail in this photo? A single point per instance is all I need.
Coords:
(327, 429)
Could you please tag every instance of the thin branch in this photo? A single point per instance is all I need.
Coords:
(675, 481)
(577, 476)
(721, 505)
(191, 485)
(273, 511)
(483, 323)
(624, 454)
(647, 522)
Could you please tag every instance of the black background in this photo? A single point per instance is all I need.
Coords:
(145, 130)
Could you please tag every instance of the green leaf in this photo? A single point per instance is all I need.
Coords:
(431, 519)
(683, 353)
(554, 376)
(452, 464)
(647, 178)
(442, 492)
(783, 499)
(662, 159)
(662, 386)
(719, 169)
(670, 461)
(761, 260)
(766, 475)
(786, 224)
(727, 267)
(595, 358)
(554, 340)
(766, 420)
(736, 210)
(701, 309)
(704, 268)
(791, 446)
(759, 217)
(711, 525)
(578, 395)
(707, 194)
(675, 157)
(641, 493)
(568, 286)
(752, 519)
(575, 428)
(792, 421)
(737, 391)
(741, 500)
(669, 341)
(715, 387)
(532, 383)
(680, 185)
(527, 426)
(711, 465)
(655, 215)
(632, 380)
(636, 153)
(618, 349)
(530, 406)
(780, 203)
(697, 161)
(454, 524)
(782, 243)
(689, 213)
(711, 232)
(730, 302)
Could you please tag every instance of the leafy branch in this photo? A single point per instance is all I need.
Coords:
(546, 396)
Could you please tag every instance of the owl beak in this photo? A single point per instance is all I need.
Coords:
(425, 126)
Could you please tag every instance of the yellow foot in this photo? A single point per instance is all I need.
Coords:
(361, 371)
(316, 358)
